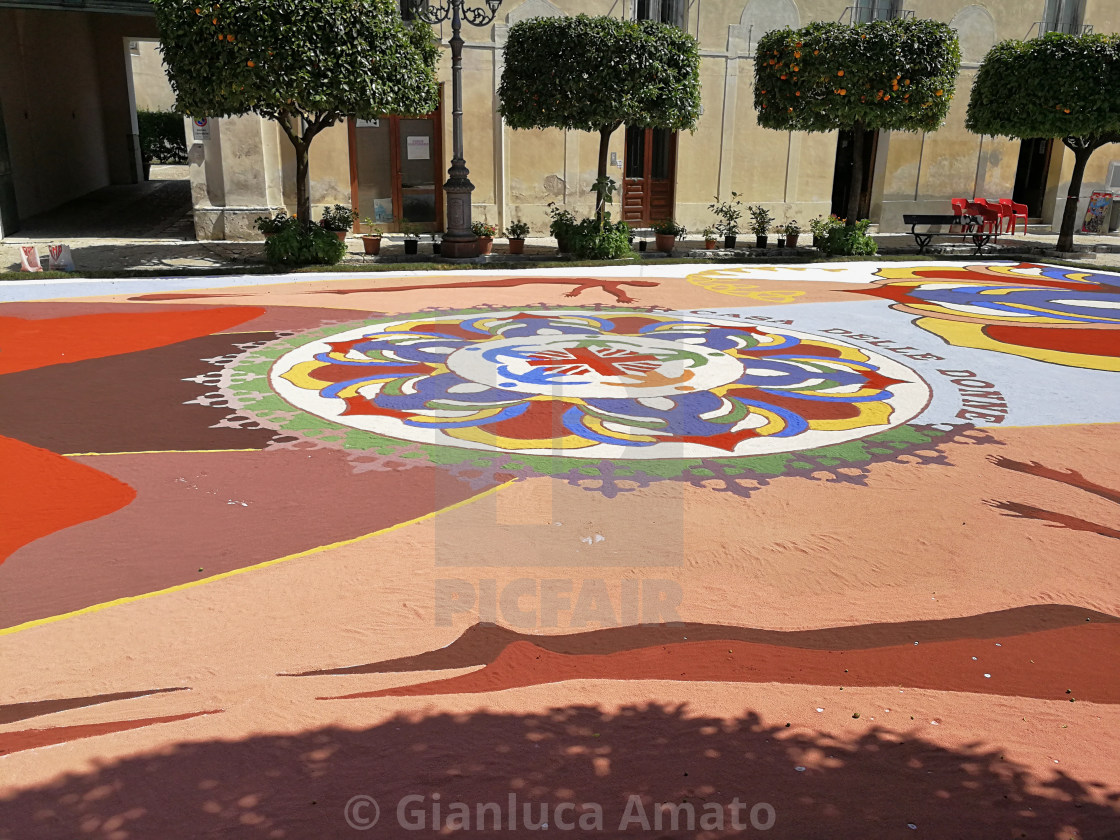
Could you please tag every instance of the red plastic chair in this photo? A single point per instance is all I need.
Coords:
(960, 207)
(992, 219)
(1015, 211)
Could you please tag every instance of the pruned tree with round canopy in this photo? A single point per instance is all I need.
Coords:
(599, 73)
(897, 75)
(304, 63)
(1065, 86)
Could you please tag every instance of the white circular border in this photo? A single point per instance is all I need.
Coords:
(911, 396)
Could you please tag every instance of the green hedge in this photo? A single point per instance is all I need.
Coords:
(163, 138)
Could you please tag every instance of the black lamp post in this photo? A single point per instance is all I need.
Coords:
(458, 241)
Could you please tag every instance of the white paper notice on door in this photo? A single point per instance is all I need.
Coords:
(419, 148)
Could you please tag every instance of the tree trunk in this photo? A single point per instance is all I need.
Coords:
(1082, 150)
(303, 184)
(855, 186)
(604, 148)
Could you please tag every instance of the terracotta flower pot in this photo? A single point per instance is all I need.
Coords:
(341, 234)
(485, 245)
(710, 244)
(666, 242)
(517, 246)
(791, 239)
(372, 244)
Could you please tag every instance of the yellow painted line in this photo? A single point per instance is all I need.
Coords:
(156, 452)
(27, 625)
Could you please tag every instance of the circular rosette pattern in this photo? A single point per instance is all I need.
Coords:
(596, 384)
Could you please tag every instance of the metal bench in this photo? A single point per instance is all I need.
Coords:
(972, 227)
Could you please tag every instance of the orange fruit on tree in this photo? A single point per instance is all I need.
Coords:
(839, 72)
(251, 63)
(843, 91)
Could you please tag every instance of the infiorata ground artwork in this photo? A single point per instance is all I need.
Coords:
(665, 552)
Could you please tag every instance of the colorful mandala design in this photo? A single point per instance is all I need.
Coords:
(577, 383)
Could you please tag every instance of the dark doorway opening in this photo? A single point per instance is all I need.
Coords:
(842, 174)
(1031, 174)
(650, 175)
(9, 213)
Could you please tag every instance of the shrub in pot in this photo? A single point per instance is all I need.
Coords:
(761, 220)
(411, 238)
(561, 227)
(371, 239)
(485, 234)
(304, 244)
(272, 225)
(606, 240)
(516, 233)
(667, 232)
(727, 214)
(710, 240)
(338, 219)
(793, 230)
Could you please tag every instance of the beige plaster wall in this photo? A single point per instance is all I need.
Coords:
(150, 86)
(67, 110)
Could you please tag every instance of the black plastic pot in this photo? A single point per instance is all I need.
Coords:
(729, 241)
(641, 244)
(436, 246)
(410, 245)
(760, 241)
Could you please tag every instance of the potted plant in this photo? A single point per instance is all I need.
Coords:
(780, 230)
(728, 213)
(411, 237)
(563, 221)
(793, 230)
(761, 220)
(710, 238)
(338, 219)
(485, 234)
(667, 232)
(437, 241)
(371, 239)
(516, 233)
(272, 225)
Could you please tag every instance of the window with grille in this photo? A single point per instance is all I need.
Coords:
(1063, 16)
(866, 11)
(665, 11)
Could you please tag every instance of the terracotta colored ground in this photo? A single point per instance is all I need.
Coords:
(173, 716)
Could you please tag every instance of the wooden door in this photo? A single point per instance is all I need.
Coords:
(650, 175)
(396, 171)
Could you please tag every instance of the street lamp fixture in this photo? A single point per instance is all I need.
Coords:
(458, 241)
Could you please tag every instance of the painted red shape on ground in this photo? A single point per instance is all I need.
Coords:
(1091, 342)
(43, 492)
(26, 344)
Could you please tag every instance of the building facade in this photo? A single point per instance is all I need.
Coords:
(392, 169)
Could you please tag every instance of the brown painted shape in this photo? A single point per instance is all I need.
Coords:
(482, 643)
(133, 402)
(219, 511)
(274, 318)
(578, 284)
(1048, 665)
(13, 712)
(30, 739)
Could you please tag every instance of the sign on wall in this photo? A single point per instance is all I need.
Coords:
(200, 128)
(1097, 213)
(419, 148)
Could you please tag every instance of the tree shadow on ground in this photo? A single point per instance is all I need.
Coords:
(879, 785)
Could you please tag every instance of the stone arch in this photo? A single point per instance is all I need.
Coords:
(976, 29)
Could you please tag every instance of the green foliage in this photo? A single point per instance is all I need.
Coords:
(563, 221)
(298, 244)
(162, 136)
(595, 239)
(593, 73)
(1055, 86)
(483, 229)
(517, 230)
(728, 213)
(761, 220)
(338, 218)
(669, 227)
(835, 238)
(896, 74)
(793, 227)
(274, 224)
(307, 58)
